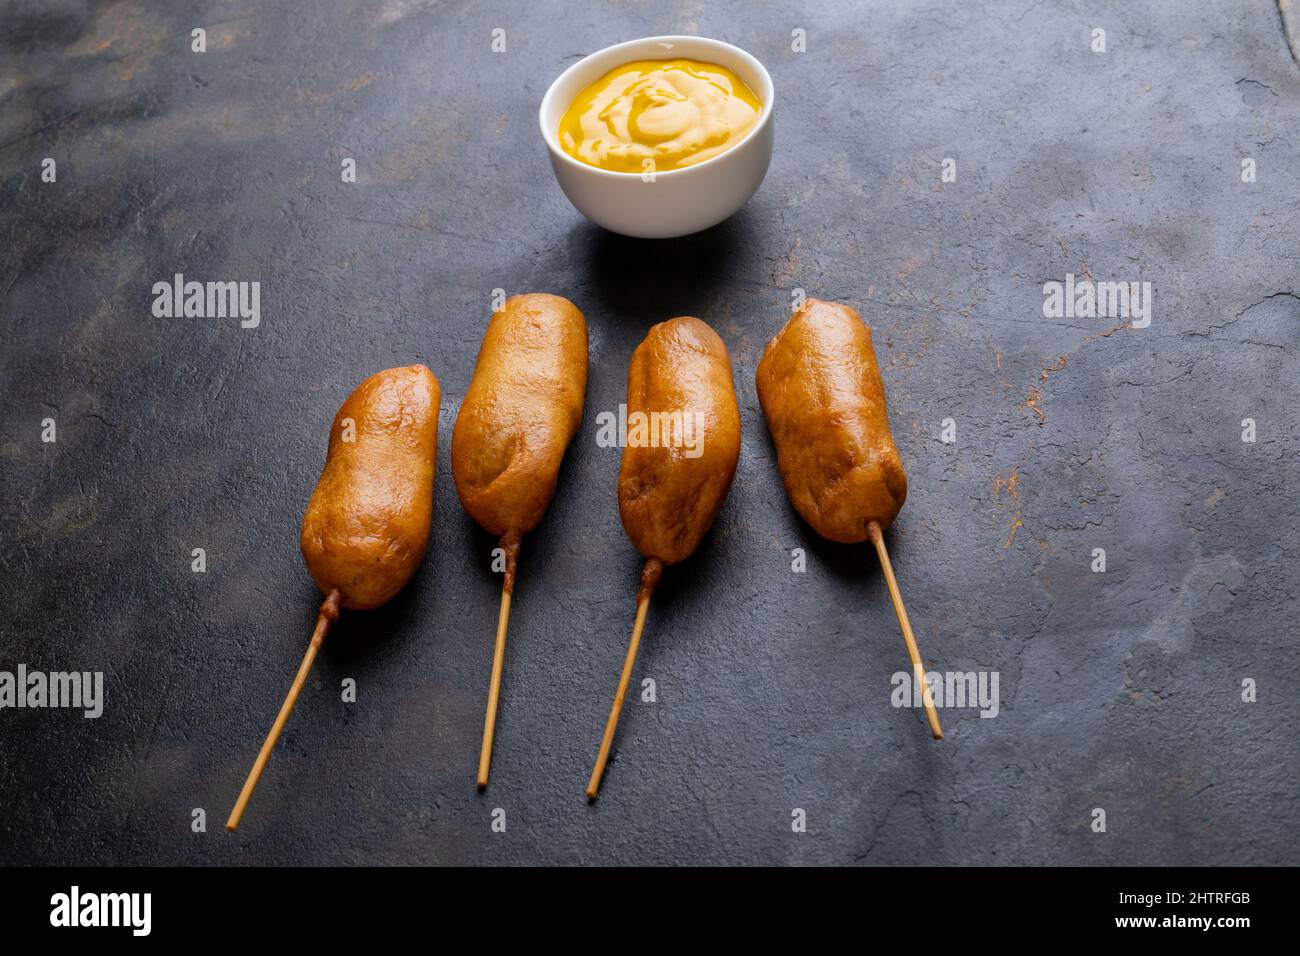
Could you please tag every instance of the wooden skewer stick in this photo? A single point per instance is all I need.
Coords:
(329, 613)
(510, 542)
(878, 539)
(649, 578)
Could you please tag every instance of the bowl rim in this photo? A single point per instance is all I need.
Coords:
(769, 104)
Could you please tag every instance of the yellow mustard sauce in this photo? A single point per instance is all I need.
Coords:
(658, 115)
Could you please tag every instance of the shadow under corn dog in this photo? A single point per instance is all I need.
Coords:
(354, 636)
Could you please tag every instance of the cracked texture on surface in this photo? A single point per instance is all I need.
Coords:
(1119, 690)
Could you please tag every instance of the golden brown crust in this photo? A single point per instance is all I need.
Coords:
(821, 392)
(367, 524)
(522, 409)
(667, 498)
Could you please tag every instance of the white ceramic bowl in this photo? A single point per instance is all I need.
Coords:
(679, 201)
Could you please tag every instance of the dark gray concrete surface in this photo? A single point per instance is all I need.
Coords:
(1119, 691)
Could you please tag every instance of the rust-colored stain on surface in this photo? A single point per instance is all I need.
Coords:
(1046, 372)
(1031, 403)
(125, 32)
(353, 86)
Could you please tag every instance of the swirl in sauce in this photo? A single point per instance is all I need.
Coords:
(658, 115)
